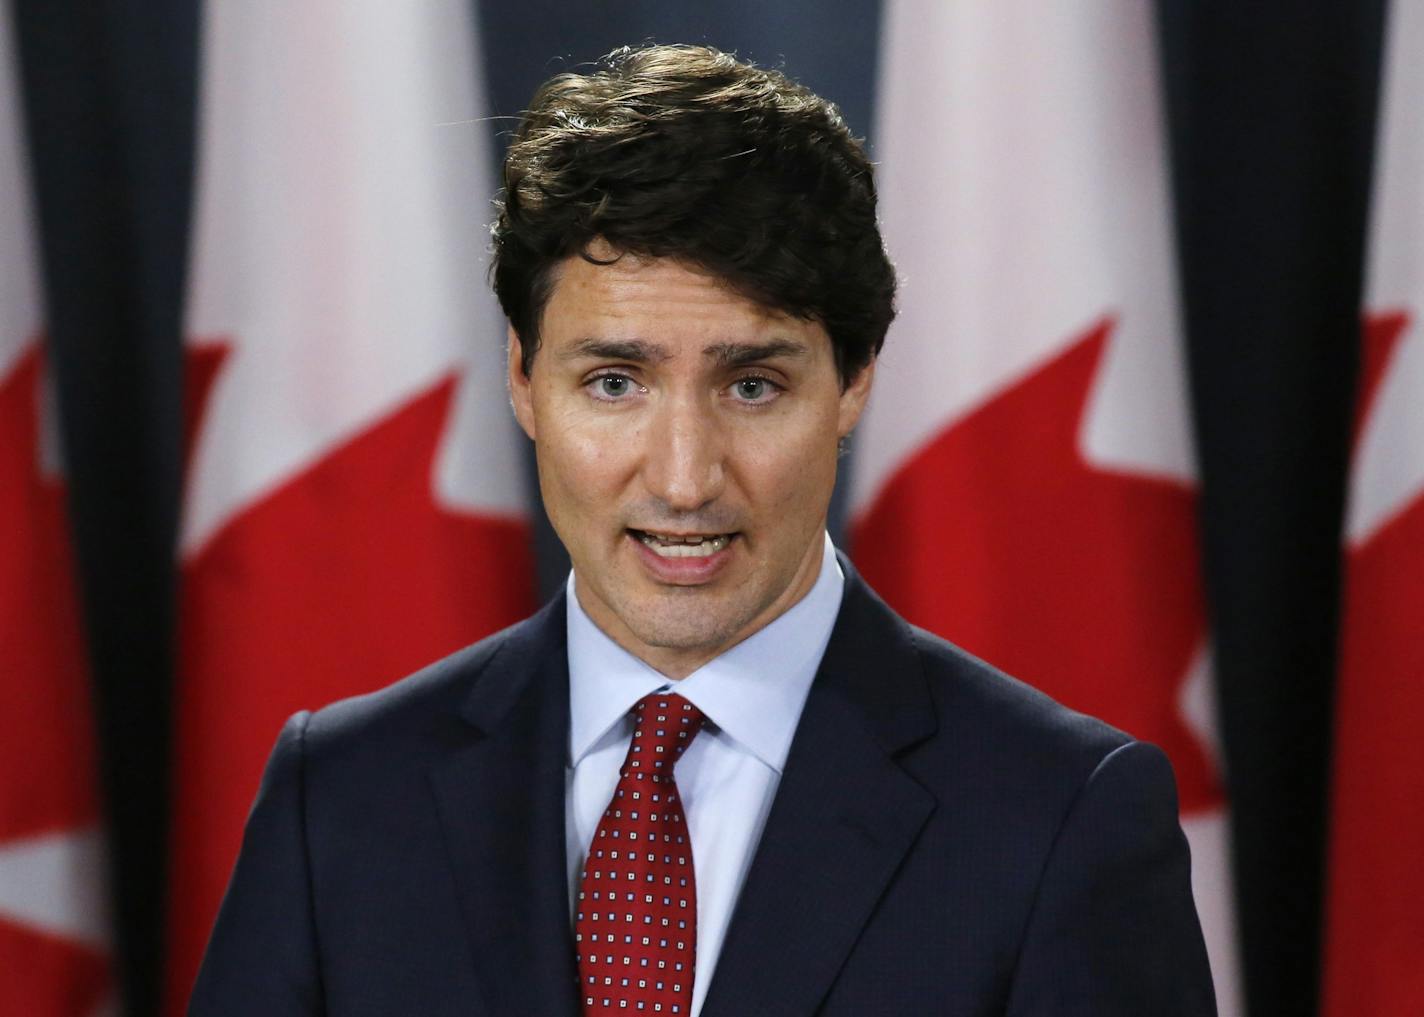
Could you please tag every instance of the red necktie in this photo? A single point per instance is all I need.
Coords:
(636, 924)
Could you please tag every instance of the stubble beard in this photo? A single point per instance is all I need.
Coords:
(676, 621)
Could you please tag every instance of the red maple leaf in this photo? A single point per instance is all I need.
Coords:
(1084, 581)
(342, 580)
(1375, 926)
(46, 976)
(47, 763)
(46, 732)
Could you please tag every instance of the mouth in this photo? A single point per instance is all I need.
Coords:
(683, 545)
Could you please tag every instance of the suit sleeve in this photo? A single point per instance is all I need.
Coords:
(1114, 930)
(262, 956)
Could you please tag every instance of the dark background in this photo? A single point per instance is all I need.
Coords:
(1271, 110)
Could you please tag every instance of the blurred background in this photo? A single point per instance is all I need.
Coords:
(1148, 431)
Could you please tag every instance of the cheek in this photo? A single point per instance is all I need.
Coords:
(587, 465)
(791, 474)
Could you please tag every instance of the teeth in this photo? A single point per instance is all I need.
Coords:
(684, 547)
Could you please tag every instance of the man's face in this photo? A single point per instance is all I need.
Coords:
(687, 442)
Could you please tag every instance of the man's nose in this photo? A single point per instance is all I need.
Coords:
(683, 464)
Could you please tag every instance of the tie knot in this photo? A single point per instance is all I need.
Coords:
(664, 725)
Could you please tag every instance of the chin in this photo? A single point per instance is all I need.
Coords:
(682, 628)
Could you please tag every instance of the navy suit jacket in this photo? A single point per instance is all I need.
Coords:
(944, 840)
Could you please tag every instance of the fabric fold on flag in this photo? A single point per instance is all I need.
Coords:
(54, 920)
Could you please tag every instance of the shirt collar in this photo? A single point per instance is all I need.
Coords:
(753, 692)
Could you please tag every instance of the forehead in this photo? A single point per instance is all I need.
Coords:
(662, 299)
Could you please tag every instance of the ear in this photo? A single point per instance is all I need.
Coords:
(853, 400)
(521, 393)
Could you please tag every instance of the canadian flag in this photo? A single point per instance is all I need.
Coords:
(1374, 942)
(54, 932)
(355, 504)
(1024, 482)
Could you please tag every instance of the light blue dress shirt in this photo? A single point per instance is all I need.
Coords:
(752, 696)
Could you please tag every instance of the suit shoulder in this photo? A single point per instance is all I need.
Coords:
(431, 695)
(999, 714)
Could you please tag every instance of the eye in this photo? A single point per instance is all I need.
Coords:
(755, 389)
(611, 387)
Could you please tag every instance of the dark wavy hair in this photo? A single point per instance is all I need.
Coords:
(685, 152)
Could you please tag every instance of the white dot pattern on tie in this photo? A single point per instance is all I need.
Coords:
(635, 927)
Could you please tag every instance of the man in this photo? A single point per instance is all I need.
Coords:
(717, 775)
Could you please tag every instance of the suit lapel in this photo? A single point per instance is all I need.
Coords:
(844, 817)
(501, 803)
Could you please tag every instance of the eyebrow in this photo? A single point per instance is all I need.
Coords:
(640, 351)
(637, 350)
(740, 354)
